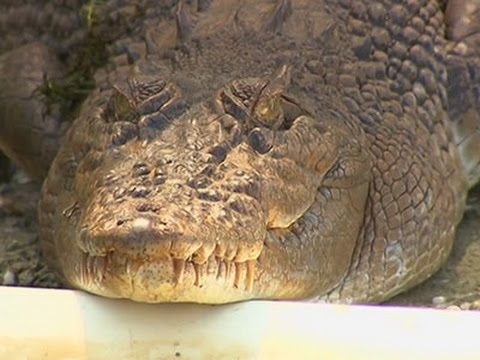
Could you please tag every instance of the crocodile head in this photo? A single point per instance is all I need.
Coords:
(245, 195)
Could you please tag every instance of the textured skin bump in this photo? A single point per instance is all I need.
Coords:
(269, 149)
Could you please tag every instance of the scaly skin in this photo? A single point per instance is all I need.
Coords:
(266, 149)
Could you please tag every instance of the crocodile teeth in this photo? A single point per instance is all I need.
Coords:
(220, 265)
(93, 268)
(228, 269)
(199, 270)
(178, 270)
(250, 276)
(247, 267)
(236, 281)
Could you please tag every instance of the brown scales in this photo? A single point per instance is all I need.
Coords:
(185, 22)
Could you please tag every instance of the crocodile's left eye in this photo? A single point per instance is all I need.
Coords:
(268, 112)
(260, 102)
(134, 100)
(277, 112)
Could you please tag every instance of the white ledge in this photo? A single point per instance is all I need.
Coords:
(63, 324)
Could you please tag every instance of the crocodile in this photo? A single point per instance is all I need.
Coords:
(258, 149)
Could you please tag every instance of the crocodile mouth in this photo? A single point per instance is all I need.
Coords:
(274, 271)
(152, 260)
(168, 279)
(171, 265)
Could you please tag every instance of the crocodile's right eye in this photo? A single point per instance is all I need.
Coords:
(120, 107)
(135, 100)
(140, 109)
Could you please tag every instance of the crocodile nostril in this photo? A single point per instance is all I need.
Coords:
(219, 152)
(261, 140)
(120, 222)
(141, 169)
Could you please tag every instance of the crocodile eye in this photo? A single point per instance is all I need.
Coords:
(268, 112)
(256, 101)
(120, 107)
(136, 98)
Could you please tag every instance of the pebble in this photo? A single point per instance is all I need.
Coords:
(21, 177)
(438, 300)
(9, 278)
(475, 305)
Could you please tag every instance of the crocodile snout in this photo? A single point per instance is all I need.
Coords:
(156, 255)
